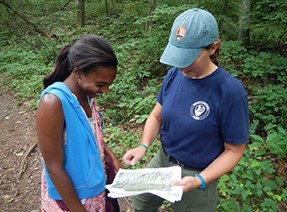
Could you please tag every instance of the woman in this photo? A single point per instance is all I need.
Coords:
(201, 114)
(69, 129)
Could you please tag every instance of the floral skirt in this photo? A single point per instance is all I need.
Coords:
(94, 204)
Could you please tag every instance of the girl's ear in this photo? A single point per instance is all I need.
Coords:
(77, 72)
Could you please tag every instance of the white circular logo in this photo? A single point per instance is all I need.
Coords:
(199, 110)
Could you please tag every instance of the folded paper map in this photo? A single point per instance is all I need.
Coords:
(149, 180)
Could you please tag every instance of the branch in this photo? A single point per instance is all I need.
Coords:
(65, 4)
(23, 162)
(8, 7)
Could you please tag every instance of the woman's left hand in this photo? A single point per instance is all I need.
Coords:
(188, 183)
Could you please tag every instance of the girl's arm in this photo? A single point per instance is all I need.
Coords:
(50, 132)
(117, 164)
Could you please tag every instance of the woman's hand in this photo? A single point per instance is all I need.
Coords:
(188, 183)
(150, 132)
(134, 155)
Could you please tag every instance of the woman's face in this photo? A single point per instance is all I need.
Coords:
(198, 66)
(202, 65)
(97, 81)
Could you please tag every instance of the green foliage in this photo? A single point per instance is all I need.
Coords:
(127, 97)
(276, 141)
(232, 53)
(253, 185)
(267, 67)
(262, 67)
(120, 140)
(274, 144)
(268, 104)
(21, 71)
(269, 23)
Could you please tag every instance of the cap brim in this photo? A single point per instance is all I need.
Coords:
(179, 57)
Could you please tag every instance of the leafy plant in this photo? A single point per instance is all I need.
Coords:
(255, 68)
(121, 140)
(276, 141)
(253, 185)
(232, 53)
(268, 23)
(268, 104)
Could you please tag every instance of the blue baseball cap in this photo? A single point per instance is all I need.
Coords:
(191, 31)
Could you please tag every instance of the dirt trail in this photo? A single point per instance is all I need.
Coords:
(20, 163)
(20, 160)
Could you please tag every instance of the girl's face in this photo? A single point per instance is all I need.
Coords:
(97, 81)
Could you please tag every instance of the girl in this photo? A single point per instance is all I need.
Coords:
(69, 129)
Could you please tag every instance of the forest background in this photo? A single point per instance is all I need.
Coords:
(254, 48)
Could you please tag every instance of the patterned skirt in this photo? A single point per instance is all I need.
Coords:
(94, 204)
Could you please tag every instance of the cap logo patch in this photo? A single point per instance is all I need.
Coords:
(180, 33)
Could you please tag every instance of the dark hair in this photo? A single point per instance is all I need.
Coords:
(85, 53)
(214, 57)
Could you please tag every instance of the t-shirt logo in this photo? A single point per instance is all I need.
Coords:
(199, 110)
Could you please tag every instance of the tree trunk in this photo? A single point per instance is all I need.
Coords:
(244, 21)
(107, 7)
(81, 13)
(225, 6)
(151, 8)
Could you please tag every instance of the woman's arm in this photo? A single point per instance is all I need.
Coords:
(150, 132)
(224, 163)
(50, 132)
(220, 166)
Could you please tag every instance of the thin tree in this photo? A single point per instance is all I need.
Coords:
(244, 22)
(65, 4)
(150, 10)
(81, 13)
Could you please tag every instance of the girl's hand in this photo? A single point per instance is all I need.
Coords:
(117, 164)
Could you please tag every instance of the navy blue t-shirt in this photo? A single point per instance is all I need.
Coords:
(199, 115)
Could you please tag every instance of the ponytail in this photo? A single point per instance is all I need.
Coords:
(62, 68)
(214, 57)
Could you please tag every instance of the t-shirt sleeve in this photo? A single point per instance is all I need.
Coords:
(235, 122)
(159, 96)
(166, 82)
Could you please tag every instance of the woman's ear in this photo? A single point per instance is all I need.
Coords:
(214, 47)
